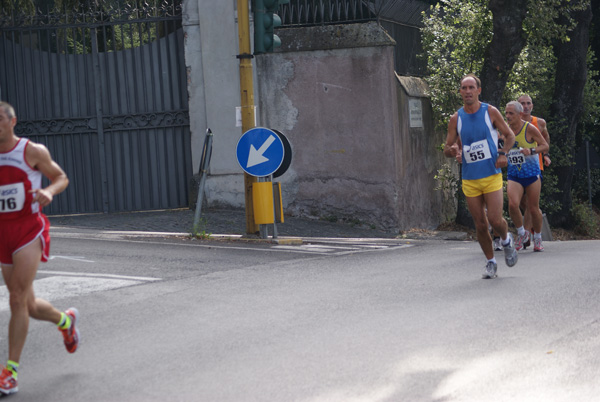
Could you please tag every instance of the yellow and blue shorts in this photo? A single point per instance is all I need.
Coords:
(475, 188)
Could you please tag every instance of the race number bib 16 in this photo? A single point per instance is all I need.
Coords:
(478, 151)
(12, 197)
(515, 157)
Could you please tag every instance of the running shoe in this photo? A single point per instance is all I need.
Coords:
(520, 242)
(71, 334)
(490, 270)
(510, 253)
(527, 241)
(497, 244)
(8, 384)
(537, 244)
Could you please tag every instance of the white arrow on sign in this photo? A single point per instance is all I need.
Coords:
(255, 157)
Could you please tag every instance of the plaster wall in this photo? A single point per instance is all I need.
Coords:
(333, 92)
(422, 204)
(334, 107)
(211, 46)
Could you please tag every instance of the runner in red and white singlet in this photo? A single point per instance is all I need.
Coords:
(25, 240)
(21, 221)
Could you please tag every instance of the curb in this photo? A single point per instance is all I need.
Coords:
(280, 240)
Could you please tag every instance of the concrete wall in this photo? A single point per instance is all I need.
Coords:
(211, 46)
(334, 93)
(419, 159)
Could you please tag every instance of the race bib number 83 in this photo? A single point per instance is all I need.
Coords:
(478, 151)
(12, 197)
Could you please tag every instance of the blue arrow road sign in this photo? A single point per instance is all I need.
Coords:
(260, 152)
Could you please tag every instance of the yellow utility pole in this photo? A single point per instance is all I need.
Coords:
(247, 98)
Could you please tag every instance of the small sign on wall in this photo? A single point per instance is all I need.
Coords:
(415, 113)
(238, 115)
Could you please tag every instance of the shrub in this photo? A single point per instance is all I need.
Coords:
(585, 220)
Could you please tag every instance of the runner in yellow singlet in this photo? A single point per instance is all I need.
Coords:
(540, 124)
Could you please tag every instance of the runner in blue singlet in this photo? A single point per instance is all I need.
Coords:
(475, 126)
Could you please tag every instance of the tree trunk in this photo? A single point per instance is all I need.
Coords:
(504, 49)
(566, 107)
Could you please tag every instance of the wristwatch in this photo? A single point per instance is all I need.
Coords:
(533, 151)
(501, 153)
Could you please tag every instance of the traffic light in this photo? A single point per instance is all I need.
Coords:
(265, 20)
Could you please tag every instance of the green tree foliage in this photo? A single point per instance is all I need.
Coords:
(24, 5)
(115, 24)
(456, 34)
(455, 37)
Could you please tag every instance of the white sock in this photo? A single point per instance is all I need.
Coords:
(521, 231)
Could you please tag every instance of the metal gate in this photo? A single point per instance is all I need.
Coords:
(105, 90)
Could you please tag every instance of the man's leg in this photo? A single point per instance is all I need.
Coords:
(476, 207)
(515, 192)
(495, 204)
(19, 281)
(533, 205)
(526, 219)
(526, 212)
(537, 219)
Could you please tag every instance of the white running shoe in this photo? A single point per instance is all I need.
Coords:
(498, 244)
(521, 240)
(490, 270)
(510, 253)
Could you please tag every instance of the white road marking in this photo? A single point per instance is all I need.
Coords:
(82, 259)
(326, 246)
(111, 276)
(337, 250)
(315, 248)
(59, 287)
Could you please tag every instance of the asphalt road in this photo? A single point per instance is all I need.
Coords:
(388, 320)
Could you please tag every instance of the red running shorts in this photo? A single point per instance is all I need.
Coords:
(15, 234)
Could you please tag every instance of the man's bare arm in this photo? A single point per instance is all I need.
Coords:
(39, 157)
(453, 148)
(534, 134)
(544, 130)
(507, 134)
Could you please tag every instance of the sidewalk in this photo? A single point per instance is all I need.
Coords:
(231, 222)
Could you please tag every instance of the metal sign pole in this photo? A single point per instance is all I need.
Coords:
(263, 228)
(204, 164)
(274, 210)
(587, 157)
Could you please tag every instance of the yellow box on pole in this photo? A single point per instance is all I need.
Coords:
(262, 199)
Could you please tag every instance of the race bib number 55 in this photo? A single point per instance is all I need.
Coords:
(12, 197)
(478, 151)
